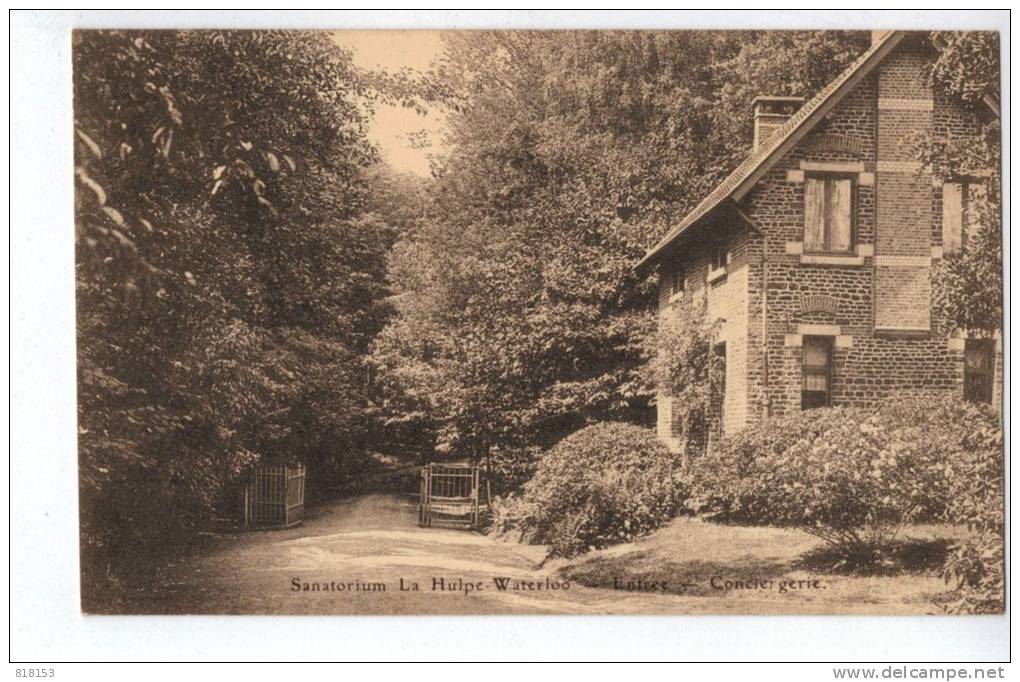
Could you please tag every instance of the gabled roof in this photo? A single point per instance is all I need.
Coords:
(738, 183)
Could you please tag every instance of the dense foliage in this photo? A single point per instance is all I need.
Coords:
(601, 485)
(230, 272)
(520, 317)
(967, 64)
(853, 477)
(684, 367)
(968, 291)
(976, 566)
(967, 287)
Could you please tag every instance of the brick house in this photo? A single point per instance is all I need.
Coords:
(816, 253)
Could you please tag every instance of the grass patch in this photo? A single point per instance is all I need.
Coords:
(909, 555)
(783, 567)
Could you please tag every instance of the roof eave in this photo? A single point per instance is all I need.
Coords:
(730, 204)
(659, 250)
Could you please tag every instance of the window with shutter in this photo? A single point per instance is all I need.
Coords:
(952, 218)
(839, 213)
(960, 215)
(814, 214)
(828, 213)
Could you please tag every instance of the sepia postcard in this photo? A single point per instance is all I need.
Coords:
(422, 322)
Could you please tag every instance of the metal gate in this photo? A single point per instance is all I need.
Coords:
(452, 495)
(275, 497)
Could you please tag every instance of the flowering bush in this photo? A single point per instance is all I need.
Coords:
(601, 485)
(852, 477)
(975, 567)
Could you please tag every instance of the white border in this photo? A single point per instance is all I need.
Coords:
(46, 622)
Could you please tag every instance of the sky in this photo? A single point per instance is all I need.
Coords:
(391, 126)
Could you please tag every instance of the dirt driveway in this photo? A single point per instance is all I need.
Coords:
(356, 556)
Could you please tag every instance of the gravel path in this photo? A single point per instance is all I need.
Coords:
(355, 556)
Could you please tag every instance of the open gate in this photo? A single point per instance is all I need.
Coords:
(274, 497)
(453, 495)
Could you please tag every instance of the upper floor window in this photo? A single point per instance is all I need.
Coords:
(678, 281)
(978, 365)
(720, 256)
(829, 213)
(959, 212)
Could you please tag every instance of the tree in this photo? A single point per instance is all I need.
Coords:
(230, 275)
(967, 64)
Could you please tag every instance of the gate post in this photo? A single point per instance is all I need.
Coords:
(474, 497)
(423, 498)
(286, 496)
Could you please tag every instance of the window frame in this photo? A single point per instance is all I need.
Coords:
(828, 343)
(826, 177)
(964, 182)
(970, 377)
(677, 281)
(720, 256)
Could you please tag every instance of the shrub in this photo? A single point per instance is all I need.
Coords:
(509, 468)
(852, 477)
(975, 566)
(601, 485)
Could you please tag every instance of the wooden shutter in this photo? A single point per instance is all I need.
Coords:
(814, 214)
(952, 217)
(840, 209)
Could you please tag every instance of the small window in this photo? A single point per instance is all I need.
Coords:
(720, 256)
(959, 212)
(817, 372)
(678, 281)
(978, 363)
(828, 213)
